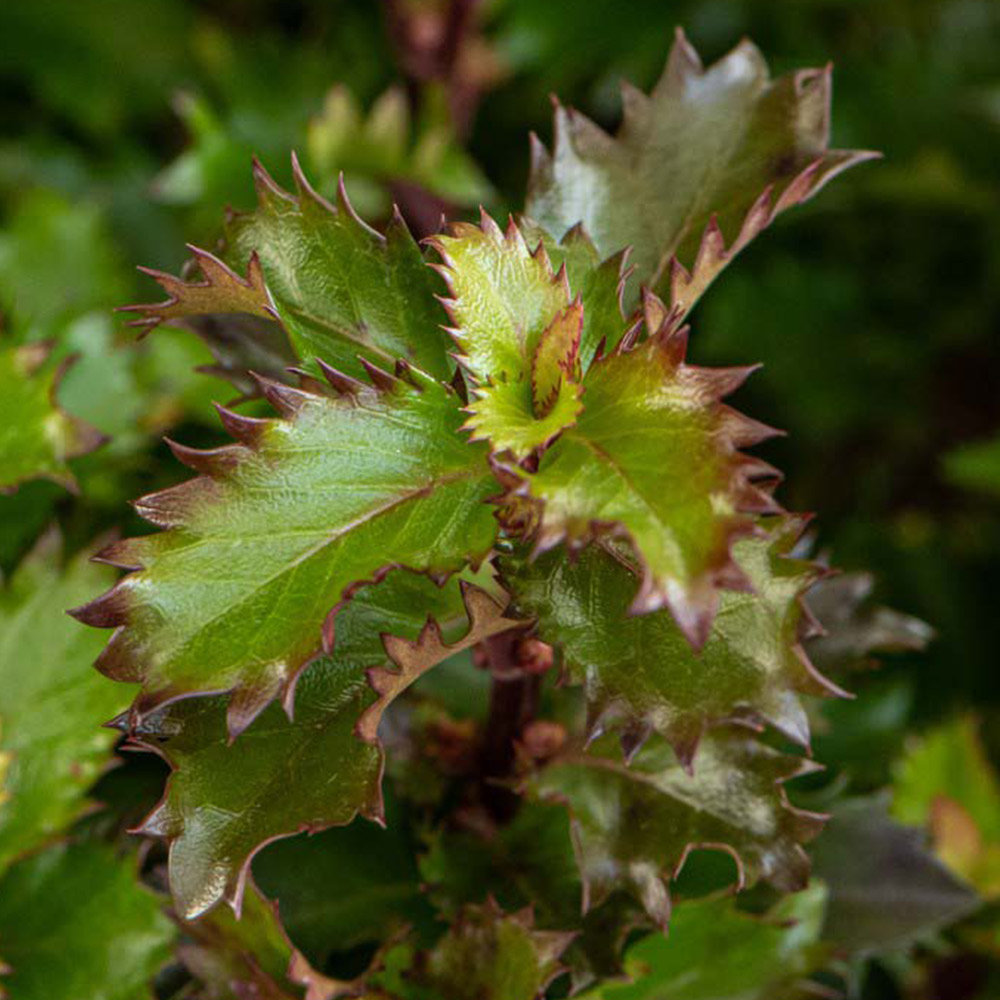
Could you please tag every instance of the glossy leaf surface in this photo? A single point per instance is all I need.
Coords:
(518, 334)
(653, 457)
(277, 529)
(640, 673)
(227, 800)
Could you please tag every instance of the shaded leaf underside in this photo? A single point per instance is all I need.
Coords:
(708, 152)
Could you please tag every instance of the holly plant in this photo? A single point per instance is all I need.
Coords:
(484, 582)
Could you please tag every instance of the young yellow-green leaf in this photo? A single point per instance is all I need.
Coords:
(278, 528)
(385, 149)
(641, 673)
(518, 333)
(340, 289)
(52, 701)
(490, 955)
(600, 285)
(945, 782)
(36, 436)
(633, 826)
(225, 800)
(245, 957)
(717, 952)
(75, 922)
(653, 457)
(713, 152)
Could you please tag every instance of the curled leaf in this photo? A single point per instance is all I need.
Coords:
(507, 305)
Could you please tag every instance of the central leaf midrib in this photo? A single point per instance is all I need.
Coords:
(326, 541)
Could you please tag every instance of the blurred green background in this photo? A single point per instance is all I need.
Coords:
(128, 127)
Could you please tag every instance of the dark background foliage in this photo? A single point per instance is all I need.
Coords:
(875, 310)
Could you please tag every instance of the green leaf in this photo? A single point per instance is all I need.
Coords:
(717, 952)
(52, 702)
(279, 528)
(886, 890)
(945, 782)
(653, 457)
(36, 436)
(641, 673)
(708, 155)
(226, 800)
(600, 285)
(341, 290)
(105, 940)
(245, 957)
(518, 332)
(490, 955)
(634, 826)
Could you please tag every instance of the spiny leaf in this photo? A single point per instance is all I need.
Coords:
(706, 153)
(52, 703)
(220, 291)
(105, 940)
(225, 801)
(506, 304)
(413, 658)
(653, 457)
(641, 673)
(279, 528)
(634, 826)
(490, 955)
(341, 288)
(36, 436)
(599, 283)
(886, 889)
(716, 952)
